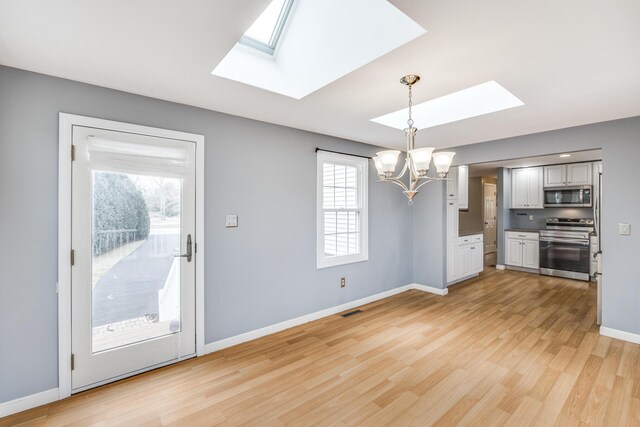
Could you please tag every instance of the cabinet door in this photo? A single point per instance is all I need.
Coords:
(452, 221)
(465, 260)
(535, 190)
(477, 258)
(463, 187)
(513, 252)
(555, 176)
(579, 174)
(519, 181)
(452, 184)
(531, 254)
(452, 261)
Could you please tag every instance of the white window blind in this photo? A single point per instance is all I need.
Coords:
(342, 209)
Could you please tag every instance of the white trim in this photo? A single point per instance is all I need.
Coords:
(268, 330)
(362, 164)
(500, 267)
(621, 335)
(27, 402)
(66, 123)
(429, 289)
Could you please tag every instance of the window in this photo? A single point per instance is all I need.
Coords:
(342, 209)
(265, 32)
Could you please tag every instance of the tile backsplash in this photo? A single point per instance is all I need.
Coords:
(520, 217)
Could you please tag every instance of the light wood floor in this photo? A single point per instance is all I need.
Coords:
(508, 348)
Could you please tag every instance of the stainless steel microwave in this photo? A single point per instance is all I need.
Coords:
(568, 197)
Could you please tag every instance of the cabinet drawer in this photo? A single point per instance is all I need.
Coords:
(475, 238)
(522, 235)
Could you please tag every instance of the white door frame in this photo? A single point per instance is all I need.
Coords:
(67, 121)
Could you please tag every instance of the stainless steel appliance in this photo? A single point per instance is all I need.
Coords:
(565, 248)
(568, 197)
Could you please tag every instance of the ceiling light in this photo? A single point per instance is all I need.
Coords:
(416, 161)
(475, 101)
(565, 155)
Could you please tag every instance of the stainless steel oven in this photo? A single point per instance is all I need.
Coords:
(568, 197)
(565, 248)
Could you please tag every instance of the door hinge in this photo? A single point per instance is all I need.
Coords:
(73, 152)
(73, 361)
(73, 257)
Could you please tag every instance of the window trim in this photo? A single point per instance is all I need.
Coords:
(362, 164)
(278, 29)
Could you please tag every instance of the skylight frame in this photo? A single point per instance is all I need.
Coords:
(276, 33)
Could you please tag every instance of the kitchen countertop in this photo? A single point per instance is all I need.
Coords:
(523, 230)
(468, 233)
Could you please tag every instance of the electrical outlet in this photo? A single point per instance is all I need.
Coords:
(343, 282)
(231, 221)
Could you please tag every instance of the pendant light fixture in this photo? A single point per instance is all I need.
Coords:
(417, 160)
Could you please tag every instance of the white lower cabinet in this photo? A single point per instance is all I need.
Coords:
(469, 259)
(522, 250)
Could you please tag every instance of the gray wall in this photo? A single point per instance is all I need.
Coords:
(503, 214)
(256, 275)
(620, 144)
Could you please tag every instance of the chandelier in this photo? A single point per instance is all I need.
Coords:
(416, 161)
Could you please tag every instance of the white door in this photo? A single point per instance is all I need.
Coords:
(535, 191)
(465, 260)
(489, 214)
(531, 254)
(555, 176)
(452, 183)
(133, 217)
(513, 252)
(579, 174)
(477, 258)
(519, 187)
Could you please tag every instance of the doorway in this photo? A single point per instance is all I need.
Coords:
(489, 206)
(134, 279)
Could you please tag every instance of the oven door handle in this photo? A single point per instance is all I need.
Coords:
(571, 241)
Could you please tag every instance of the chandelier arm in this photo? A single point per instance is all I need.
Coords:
(396, 182)
(427, 180)
(404, 168)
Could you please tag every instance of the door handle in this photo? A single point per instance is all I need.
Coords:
(189, 253)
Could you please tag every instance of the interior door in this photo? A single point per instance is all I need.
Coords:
(133, 275)
(489, 214)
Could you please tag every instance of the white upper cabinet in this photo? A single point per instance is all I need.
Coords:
(555, 176)
(579, 174)
(463, 187)
(571, 174)
(452, 184)
(527, 188)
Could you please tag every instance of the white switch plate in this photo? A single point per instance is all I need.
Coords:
(624, 229)
(231, 221)
(530, 217)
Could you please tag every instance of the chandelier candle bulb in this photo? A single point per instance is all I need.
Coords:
(416, 161)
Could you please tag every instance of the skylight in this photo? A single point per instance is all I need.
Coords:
(475, 101)
(265, 32)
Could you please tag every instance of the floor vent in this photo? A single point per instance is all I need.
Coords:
(351, 313)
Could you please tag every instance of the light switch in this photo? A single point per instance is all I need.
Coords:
(530, 217)
(232, 221)
(624, 229)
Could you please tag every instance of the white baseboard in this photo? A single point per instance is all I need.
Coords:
(268, 330)
(27, 402)
(429, 289)
(48, 396)
(621, 335)
(501, 267)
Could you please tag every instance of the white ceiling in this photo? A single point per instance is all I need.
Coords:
(570, 62)
(489, 169)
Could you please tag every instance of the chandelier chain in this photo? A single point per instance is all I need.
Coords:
(410, 121)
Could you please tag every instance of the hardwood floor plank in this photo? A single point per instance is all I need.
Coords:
(507, 348)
